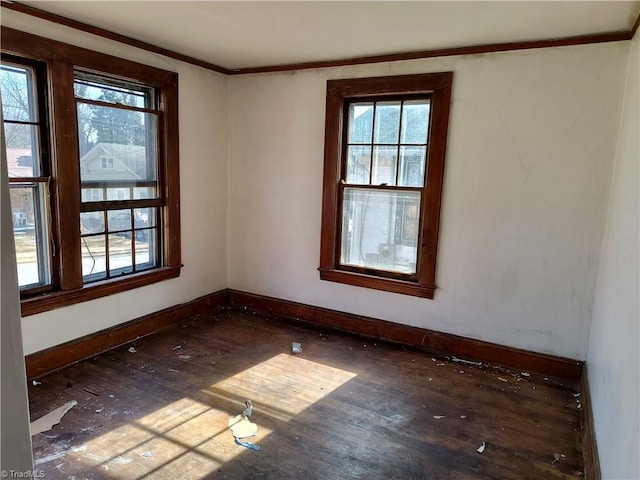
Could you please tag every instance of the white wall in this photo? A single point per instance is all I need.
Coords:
(614, 348)
(203, 184)
(530, 148)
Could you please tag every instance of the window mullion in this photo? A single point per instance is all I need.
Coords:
(66, 173)
(373, 136)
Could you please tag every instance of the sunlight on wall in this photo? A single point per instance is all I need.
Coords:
(190, 438)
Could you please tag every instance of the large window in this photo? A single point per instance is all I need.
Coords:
(384, 159)
(92, 151)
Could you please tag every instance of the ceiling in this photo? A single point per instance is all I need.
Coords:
(244, 34)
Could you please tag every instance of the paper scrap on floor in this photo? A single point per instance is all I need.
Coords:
(52, 418)
(241, 427)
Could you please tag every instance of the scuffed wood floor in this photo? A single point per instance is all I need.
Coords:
(344, 408)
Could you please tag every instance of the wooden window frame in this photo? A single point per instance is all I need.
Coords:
(339, 93)
(60, 60)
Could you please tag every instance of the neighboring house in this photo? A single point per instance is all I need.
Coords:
(107, 162)
(20, 165)
(112, 161)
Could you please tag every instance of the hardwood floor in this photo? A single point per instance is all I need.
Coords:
(344, 408)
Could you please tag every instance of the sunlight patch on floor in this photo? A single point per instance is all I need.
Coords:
(282, 386)
(191, 439)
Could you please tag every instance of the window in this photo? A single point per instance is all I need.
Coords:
(106, 162)
(25, 134)
(385, 144)
(93, 160)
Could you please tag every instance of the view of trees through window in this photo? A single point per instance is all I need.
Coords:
(28, 175)
(117, 139)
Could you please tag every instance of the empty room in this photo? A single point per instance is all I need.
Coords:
(320, 240)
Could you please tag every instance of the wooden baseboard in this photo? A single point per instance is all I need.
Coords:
(589, 445)
(54, 358)
(564, 369)
(59, 356)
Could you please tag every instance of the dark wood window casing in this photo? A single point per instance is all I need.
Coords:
(341, 94)
(61, 62)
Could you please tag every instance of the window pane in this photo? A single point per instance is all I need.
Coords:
(119, 220)
(30, 237)
(18, 102)
(91, 222)
(412, 161)
(360, 122)
(380, 229)
(125, 94)
(387, 122)
(144, 217)
(358, 164)
(144, 192)
(120, 254)
(22, 150)
(146, 248)
(92, 195)
(117, 144)
(123, 193)
(384, 165)
(415, 121)
(94, 255)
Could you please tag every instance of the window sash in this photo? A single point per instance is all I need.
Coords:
(341, 94)
(29, 185)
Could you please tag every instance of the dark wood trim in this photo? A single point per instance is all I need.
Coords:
(101, 32)
(589, 444)
(120, 204)
(634, 29)
(55, 358)
(44, 49)
(445, 52)
(66, 173)
(170, 173)
(118, 106)
(339, 93)
(564, 369)
(393, 285)
(91, 291)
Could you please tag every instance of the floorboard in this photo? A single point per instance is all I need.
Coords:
(344, 408)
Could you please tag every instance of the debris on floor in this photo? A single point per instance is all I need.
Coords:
(36, 383)
(250, 445)
(296, 347)
(438, 417)
(49, 458)
(184, 357)
(46, 422)
(174, 370)
(92, 392)
(502, 379)
(557, 457)
(146, 454)
(480, 449)
(241, 427)
(177, 347)
(468, 362)
(132, 350)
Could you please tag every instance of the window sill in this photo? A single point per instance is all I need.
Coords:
(52, 300)
(378, 283)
